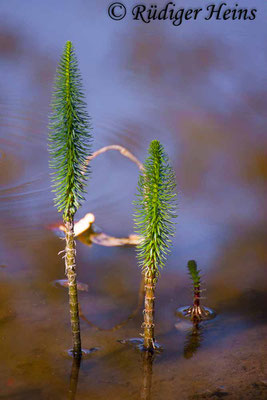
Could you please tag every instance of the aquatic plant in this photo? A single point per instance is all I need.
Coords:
(147, 361)
(69, 146)
(155, 209)
(196, 312)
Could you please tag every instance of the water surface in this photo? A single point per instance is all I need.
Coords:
(200, 90)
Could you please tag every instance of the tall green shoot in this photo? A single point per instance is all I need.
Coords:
(155, 210)
(69, 146)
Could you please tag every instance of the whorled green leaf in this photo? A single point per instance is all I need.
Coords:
(155, 209)
(69, 135)
(194, 272)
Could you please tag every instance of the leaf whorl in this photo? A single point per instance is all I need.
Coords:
(155, 210)
(69, 135)
(194, 272)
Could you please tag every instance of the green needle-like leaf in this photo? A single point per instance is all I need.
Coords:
(194, 273)
(155, 210)
(69, 137)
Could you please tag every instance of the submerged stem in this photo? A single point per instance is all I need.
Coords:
(73, 292)
(149, 311)
(147, 375)
(74, 378)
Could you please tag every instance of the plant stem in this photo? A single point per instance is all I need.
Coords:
(196, 295)
(196, 304)
(149, 310)
(73, 292)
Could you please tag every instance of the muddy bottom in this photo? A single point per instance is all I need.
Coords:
(224, 358)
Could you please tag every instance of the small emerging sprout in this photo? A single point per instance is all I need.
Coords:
(196, 312)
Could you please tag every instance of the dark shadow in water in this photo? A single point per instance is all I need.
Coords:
(122, 323)
(193, 340)
(33, 394)
(74, 377)
(147, 358)
(250, 304)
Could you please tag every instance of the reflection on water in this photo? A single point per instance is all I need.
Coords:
(193, 340)
(74, 376)
(125, 321)
(147, 359)
(200, 90)
(65, 283)
(138, 344)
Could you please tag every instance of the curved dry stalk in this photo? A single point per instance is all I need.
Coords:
(124, 322)
(121, 149)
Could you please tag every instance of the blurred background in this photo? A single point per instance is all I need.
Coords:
(200, 89)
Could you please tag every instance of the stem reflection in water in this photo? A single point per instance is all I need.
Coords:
(148, 359)
(193, 340)
(122, 323)
(74, 376)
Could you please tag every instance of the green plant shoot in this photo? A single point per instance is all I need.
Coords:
(196, 312)
(155, 210)
(194, 273)
(69, 147)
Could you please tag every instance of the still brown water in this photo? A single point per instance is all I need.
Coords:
(204, 97)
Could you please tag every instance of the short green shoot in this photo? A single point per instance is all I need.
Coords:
(194, 273)
(196, 312)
